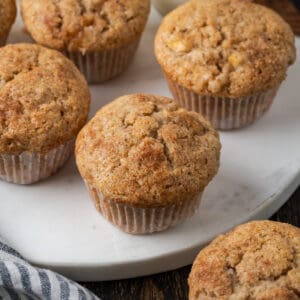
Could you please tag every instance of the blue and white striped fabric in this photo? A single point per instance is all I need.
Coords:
(19, 280)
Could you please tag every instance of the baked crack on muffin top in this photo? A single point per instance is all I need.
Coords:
(255, 261)
(44, 100)
(146, 151)
(85, 25)
(228, 48)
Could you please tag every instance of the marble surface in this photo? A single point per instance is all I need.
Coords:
(165, 6)
(54, 224)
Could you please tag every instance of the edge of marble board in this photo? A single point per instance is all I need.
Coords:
(103, 272)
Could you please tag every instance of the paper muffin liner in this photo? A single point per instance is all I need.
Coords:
(30, 167)
(224, 113)
(136, 220)
(99, 66)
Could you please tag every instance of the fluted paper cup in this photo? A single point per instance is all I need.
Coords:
(29, 167)
(138, 220)
(224, 113)
(99, 66)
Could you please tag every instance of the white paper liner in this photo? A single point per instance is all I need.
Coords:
(30, 167)
(100, 66)
(137, 220)
(224, 113)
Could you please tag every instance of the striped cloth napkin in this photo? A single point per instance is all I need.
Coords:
(19, 280)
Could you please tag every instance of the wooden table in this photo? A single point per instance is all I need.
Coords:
(173, 285)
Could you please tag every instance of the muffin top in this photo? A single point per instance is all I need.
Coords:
(85, 25)
(259, 260)
(146, 151)
(44, 100)
(226, 48)
(7, 15)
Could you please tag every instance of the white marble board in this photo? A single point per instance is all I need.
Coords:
(53, 224)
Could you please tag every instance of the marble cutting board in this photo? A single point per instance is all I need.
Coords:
(54, 224)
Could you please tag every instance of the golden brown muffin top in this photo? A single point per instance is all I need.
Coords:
(8, 12)
(44, 100)
(255, 261)
(228, 48)
(146, 151)
(85, 25)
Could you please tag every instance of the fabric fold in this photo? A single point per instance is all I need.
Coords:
(19, 280)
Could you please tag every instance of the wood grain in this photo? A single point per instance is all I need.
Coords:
(173, 285)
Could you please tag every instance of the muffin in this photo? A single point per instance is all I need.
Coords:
(7, 17)
(101, 37)
(44, 102)
(146, 162)
(225, 58)
(259, 260)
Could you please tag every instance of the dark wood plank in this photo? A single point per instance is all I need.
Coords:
(173, 285)
(290, 212)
